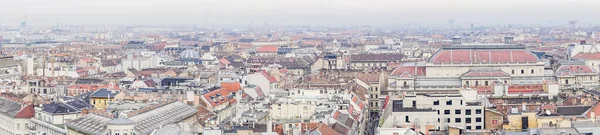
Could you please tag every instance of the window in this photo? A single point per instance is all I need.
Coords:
(18, 126)
(438, 119)
(456, 111)
(532, 71)
(513, 72)
(436, 102)
(449, 102)
(438, 112)
(478, 119)
(448, 120)
(494, 122)
(461, 103)
(476, 83)
(446, 111)
(469, 127)
(486, 83)
(467, 120)
(478, 111)
(467, 83)
(566, 81)
(477, 127)
(468, 112)
(522, 71)
(457, 120)
(407, 119)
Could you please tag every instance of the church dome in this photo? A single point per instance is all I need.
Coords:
(189, 54)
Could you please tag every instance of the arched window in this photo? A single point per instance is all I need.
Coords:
(566, 81)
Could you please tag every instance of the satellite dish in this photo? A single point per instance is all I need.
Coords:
(548, 112)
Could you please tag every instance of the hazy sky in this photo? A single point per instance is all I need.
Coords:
(297, 12)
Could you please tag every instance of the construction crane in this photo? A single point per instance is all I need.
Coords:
(573, 23)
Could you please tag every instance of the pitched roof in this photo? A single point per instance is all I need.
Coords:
(267, 49)
(569, 70)
(325, 130)
(104, 93)
(108, 63)
(269, 77)
(376, 57)
(588, 56)
(368, 78)
(26, 112)
(411, 70)
(572, 110)
(483, 56)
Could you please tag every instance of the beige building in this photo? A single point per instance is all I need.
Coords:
(374, 83)
(460, 66)
(576, 76)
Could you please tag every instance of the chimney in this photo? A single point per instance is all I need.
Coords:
(456, 40)
(508, 40)
(582, 42)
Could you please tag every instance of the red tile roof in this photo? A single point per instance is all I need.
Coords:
(269, 77)
(419, 71)
(224, 61)
(226, 89)
(483, 56)
(231, 86)
(326, 130)
(26, 112)
(588, 56)
(569, 70)
(267, 49)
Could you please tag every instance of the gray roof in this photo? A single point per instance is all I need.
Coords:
(376, 57)
(171, 130)
(104, 93)
(9, 108)
(558, 131)
(572, 110)
(120, 121)
(89, 124)
(583, 124)
(7, 62)
(144, 123)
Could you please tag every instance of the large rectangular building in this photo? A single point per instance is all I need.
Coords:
(434, 112)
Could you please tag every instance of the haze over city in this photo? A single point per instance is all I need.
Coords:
(379, 13)
(299, 67)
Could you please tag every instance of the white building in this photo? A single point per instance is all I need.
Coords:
(141, 62)
(50, 117)
(9, 69)
(15, 117)
(434, 112)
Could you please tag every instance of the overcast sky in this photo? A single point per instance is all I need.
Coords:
(297, 12)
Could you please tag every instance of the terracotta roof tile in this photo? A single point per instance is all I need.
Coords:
(267, 49)
(26, 112)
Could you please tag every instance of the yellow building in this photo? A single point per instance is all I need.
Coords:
(519, 121)
(102, 97)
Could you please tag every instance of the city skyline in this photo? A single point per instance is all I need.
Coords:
(380, 13)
